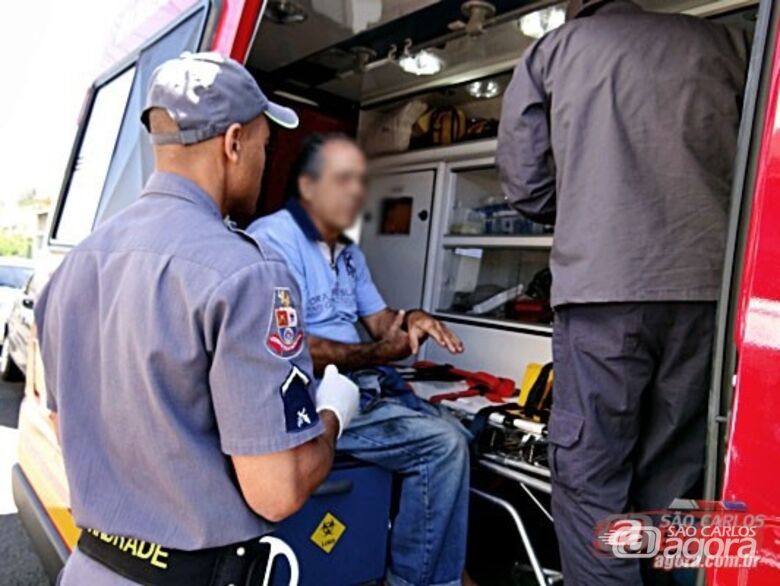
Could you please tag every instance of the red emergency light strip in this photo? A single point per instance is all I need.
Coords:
(236, 28)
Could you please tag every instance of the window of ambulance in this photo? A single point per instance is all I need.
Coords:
(113, 156)
(91, 166)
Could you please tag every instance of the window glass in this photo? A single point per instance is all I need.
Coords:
(396, 215)
(496, 283)
(115, 157)
(94, 157)
(132, 162)
(479, 208)
(14, 277)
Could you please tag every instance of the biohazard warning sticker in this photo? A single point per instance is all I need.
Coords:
(328, 533)
(285, 338)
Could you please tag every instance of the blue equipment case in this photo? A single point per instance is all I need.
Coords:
(341, 535)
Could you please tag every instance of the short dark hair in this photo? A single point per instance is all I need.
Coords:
(309, 161)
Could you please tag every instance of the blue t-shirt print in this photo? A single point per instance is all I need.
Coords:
(336, 284)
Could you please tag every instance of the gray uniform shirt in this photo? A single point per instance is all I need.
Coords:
(171, 342)
(621, 128)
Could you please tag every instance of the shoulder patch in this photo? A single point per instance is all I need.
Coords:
(299, 411)
(285, 338)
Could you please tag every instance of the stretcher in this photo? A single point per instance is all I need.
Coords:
(512, 447)
(510, 436)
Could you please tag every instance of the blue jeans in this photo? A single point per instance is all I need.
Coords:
(428, 449)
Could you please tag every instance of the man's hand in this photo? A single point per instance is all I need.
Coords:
(338, 394)
(420, 325)
(392, 343)
(395, 343)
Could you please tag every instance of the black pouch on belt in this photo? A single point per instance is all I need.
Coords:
(150, 564)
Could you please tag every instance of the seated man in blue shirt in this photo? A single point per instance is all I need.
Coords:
(424, 446)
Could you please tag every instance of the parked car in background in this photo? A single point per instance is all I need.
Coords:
(15, 315)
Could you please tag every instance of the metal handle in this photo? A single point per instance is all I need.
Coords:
(333, 487)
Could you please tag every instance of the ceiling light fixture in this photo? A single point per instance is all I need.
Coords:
(423, 62)
(363, 57)
(539, 23)
(484, 89)
(477, 12)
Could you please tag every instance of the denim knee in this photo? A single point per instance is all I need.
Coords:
(449, 445)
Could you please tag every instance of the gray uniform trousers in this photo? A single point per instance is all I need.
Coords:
(627, 429)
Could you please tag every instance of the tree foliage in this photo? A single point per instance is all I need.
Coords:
(14, 244)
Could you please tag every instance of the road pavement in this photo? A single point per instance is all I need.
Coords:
(18, 564)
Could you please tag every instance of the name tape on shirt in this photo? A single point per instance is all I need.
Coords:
(285, 338)
(299, 411)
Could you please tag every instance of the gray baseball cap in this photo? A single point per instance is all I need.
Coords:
(205, 93)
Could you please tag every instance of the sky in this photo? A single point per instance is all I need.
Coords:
(50, 51)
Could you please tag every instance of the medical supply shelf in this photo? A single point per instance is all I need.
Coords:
(460, 253)
(487, 254)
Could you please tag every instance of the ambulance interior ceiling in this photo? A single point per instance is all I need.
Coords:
(349, 50)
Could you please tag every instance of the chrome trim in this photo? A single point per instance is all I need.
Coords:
(254, 33)
(539, 485)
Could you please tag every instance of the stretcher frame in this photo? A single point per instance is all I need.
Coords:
(530, 477)
(543, 576)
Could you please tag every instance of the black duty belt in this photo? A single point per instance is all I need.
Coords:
(150, 564)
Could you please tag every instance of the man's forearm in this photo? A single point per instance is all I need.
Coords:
(380, 322)
(277, 484)
(537, 206)
(347, 357)
(316, 457)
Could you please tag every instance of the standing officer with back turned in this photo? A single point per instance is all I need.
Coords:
(621, 127)
(186, 428)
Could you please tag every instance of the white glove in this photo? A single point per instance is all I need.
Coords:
(339, 394)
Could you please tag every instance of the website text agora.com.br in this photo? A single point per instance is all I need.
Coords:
(705, 535)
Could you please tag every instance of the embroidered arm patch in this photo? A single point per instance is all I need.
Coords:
(299, 411)
(285, 338)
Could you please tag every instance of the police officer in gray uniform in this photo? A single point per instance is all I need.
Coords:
(621, 128)
(175, 359)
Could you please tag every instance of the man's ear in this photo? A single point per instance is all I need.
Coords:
(304, 187)
(232, 145)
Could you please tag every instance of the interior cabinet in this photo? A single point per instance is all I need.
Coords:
(492, 263)
(471, 262)
(394, 234)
